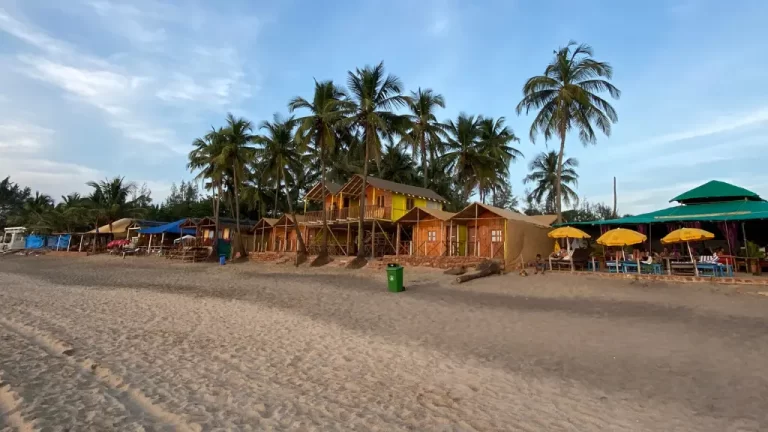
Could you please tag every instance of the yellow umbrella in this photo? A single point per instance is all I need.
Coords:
(688, 235)
(621, 237)
(568, 232)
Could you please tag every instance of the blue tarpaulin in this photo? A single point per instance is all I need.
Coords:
(59, 242)
(34, 242)
(169, 228)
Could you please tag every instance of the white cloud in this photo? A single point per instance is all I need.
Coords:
(712, 127)
(48, 176)
(29, 35)
(22, 138)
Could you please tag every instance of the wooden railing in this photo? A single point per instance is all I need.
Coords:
(371, 212)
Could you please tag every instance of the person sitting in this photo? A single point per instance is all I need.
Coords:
(539, 265)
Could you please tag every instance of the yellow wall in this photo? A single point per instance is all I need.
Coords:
(398, 205)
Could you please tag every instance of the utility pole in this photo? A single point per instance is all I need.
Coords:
(614, 198)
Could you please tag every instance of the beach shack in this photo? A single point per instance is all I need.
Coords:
(503, 234)
(284, 237)
(262, 234)
(429, 232)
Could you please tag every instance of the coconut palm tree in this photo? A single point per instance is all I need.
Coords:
(111, 200)
(496, 140)
(280, 156)
(544, 176)
(236, 152)
(373, 96)
(466, 158)
(566, 98)
(326, 111)
(398, 166)
(205, 158)
(424, 132)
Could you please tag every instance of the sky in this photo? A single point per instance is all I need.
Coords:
(91, 89)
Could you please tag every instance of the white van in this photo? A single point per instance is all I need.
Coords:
(13, 239)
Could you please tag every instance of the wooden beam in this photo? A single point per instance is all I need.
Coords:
(397, 240)
(349, 233)
(373, 238)
(386, 237)
(442, 239)
(450, 238)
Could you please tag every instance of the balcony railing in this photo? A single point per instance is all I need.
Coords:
(350, 213)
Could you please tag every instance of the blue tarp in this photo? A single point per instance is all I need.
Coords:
(169, 228)
(34, 242)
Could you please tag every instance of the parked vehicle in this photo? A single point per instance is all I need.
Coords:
(14, 238)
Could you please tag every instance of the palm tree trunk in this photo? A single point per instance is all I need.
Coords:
(360, 249)
(558, 185)
(95, 236)
(302, 248)
(424, 159)
(277, 192)
(324, 246)
(216, 220)
(240, 245)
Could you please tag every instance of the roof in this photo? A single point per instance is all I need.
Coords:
(715, 212)
(169, 228)
(468, 213)
(414, 214)
(316, 192)
(716, 191)
(147, 223)
(119, 226)
(547, 219)
(354, 185)
(226, 222)
(287, 219)
(265, 223)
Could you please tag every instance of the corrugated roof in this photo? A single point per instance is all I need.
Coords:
(716, 190)
(410, 215)
(469, 213)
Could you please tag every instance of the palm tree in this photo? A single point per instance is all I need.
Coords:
(424, 132)
(566, 97)
(373, 96)
(235, 154)
(205, 157)
(544, 176)
(110, 200)
(320, 126)
(280, 157)
(466, 158)
(495, 140)
(397, 166)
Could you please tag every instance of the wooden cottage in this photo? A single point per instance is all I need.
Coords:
(262, 234)
(284, 237)
(429, 232)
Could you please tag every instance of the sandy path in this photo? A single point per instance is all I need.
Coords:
(264, 348)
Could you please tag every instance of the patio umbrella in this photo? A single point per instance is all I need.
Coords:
(621, 237)
(566, 233)
(688, 235)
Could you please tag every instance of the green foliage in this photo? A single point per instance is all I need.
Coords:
(753, 251)
(587, 211)
(543, 176)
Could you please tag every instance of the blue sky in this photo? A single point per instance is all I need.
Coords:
(96, 88)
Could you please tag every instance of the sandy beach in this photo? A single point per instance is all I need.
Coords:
(101, 343)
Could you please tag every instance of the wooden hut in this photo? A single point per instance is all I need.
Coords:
(262, 234)
(428, 232)
(284, 237)
(503, 234)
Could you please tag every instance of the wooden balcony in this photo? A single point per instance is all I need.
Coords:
(348, 214)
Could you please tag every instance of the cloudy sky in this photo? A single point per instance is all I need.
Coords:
(97, 88)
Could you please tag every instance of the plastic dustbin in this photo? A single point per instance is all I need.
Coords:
(395, 277)
(222, 259)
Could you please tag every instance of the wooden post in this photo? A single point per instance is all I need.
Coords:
(373, 234)
(285, 241)
(69, 242)
(349, 233)
(162, 241)
(477, 237)
(416, 234)
(442, 239)
(149, 248)
(58, 239)
(397, 240)
(614, 199)
(263, 245)
(80, 249)
(450, 238)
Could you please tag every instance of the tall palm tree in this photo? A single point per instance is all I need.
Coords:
(424, 132)
(544, 176)
(466, 158)
(566, 97)
(398, 166)
(235, 154)
(205, 158)
(326, 111)
(280, 157)
(373, 96)
(111, 200)
(496, 140)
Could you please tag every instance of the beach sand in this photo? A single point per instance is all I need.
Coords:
(102, 343)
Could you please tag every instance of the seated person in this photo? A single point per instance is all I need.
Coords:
(539, 265)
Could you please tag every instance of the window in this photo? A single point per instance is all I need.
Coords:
(432, 236)
(380, 201)
(495, 236)
(409, 204)
(346, 202)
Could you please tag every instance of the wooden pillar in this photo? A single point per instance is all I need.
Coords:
(150, 244)
(442, 239)
(349, 234)
(162, 241)
(373, 235)
(416, 234)
(69, 242)
(397, 240)
(285, 242)
(450, 238)
(477, 235)
(58, 239)
(80, 249)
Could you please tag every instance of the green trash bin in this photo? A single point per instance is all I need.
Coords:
(395, 278)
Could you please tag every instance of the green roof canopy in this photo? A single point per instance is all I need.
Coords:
(716, 211)
(715, 191)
